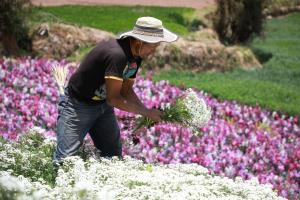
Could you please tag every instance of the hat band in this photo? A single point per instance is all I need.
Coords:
(149, 31)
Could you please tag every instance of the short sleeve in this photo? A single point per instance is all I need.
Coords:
(115, 65)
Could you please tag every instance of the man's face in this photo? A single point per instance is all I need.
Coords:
(147, 49)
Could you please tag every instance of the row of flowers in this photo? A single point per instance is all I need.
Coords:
(107, 179)
(239, 140)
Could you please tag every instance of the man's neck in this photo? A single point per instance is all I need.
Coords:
(132, 48)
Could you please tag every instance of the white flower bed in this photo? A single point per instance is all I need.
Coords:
(132, 179)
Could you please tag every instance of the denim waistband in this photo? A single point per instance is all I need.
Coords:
(78, 100)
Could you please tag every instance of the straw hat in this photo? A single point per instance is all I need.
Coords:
(151, 30)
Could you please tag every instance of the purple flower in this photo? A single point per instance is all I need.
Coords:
(239, 140)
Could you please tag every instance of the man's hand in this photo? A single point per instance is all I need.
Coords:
(155, 114)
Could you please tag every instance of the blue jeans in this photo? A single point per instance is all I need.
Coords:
(76, 119)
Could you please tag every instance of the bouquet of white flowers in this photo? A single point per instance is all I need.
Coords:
(189, 110)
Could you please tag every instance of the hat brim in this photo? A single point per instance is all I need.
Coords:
(168, 37)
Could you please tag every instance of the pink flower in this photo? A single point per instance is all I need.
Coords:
(239, 140)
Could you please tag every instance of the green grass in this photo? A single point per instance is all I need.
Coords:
(80, 54)
(275, 87)
(116, 19)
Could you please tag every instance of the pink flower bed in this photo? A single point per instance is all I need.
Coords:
(239, 140)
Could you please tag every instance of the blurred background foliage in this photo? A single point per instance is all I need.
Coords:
(275, 86)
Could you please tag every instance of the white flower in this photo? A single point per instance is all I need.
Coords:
(83, 185)
(10, 183)
(106, 194)
(199, 111)
(37, 130)
(107, 179)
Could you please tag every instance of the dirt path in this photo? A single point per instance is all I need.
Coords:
(165, 3)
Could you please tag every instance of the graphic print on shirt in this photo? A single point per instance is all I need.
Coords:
(100, 93)
(130, 70)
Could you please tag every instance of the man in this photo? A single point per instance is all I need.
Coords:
(103, 81)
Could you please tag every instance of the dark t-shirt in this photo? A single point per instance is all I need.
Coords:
(109, 59)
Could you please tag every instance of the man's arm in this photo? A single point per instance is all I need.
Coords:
(116, 99)
(128, 92)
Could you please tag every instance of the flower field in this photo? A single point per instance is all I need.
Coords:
(103, 179)
(239, 141)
